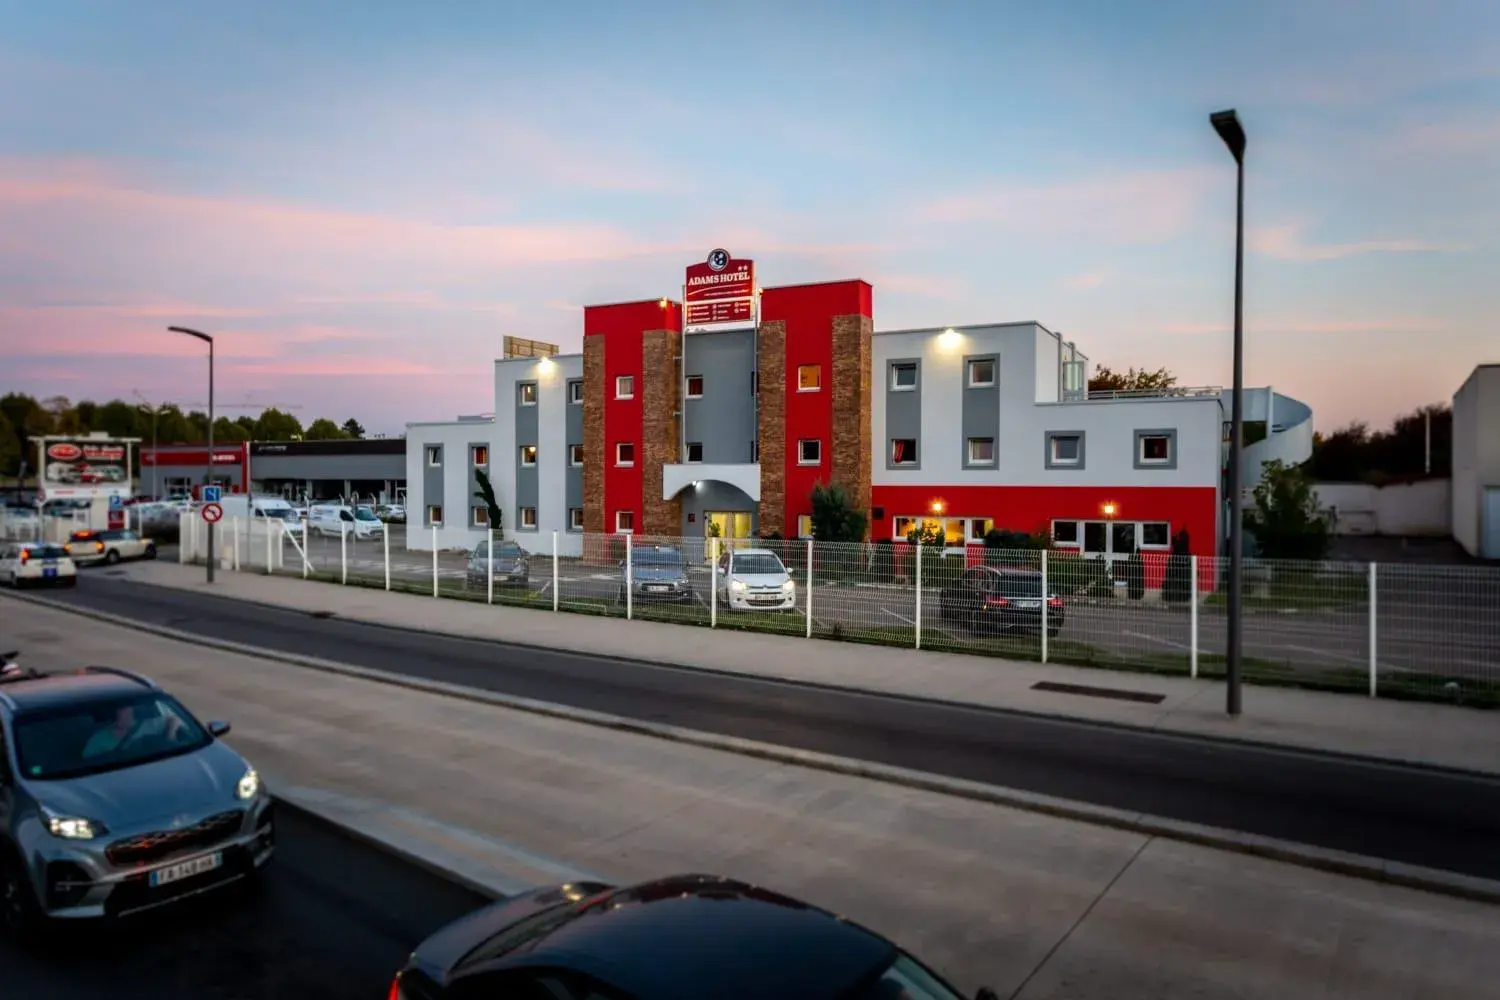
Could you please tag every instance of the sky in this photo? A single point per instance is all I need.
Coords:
(360, 198)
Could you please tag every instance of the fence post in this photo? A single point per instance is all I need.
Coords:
(1193, 618)
(306, 554)
(489, 569)
(270, 566)
(917, 618)
(809, 586)
(434, 562)
(385, 541)
(554, 571)
(1046, 596)
(343, 552)
(629, 581)
(184, 536)
(234, 532)
(1374, 657)
(713, 582)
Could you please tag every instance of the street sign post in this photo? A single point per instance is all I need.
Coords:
(212, 513)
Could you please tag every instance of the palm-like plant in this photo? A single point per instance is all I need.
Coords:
(486, 495)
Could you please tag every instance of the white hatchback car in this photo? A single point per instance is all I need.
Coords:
(28, 564)
(755, 580)
(109, 547)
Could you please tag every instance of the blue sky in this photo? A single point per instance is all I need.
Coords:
(363, 198)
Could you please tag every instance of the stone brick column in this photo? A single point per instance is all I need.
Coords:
(770, 362)
(593, 436)
(851, 446)
(661, 402)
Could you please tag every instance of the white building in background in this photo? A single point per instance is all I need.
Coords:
(1476, 463)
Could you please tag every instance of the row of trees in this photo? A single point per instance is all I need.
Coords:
(23, 417)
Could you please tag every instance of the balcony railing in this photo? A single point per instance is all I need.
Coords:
(1175, 392)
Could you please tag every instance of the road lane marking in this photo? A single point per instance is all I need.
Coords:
(1152, 638)
(899, 617)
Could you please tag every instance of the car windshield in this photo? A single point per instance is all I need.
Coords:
(283, 513)
(364, 514)
(757, 563)
(46, 551)
(503, 550)
(906, 979)
(90, 737)
(656, 557)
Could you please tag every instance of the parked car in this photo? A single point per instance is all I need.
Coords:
(29, 564)
(115, 799)
(393, 513)
(992, 600)
(91, 547)
(264, 509)
(655, 573)
(755, 579)
(512, 566)
(686, 937)
(334, 519)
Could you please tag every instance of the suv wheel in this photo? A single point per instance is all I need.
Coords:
(20, 916)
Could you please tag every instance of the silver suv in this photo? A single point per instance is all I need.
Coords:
(114, 799)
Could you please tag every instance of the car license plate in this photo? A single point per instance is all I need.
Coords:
(49, 571)
(186, 869)
(656, 588)
(1030, 604)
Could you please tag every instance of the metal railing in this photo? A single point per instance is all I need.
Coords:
(1173, 392)
(1382, 630)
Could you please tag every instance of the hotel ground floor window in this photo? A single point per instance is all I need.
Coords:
(1112, 539)
(954, 531)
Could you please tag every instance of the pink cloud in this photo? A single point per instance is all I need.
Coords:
(343, 366)
(1286, 242)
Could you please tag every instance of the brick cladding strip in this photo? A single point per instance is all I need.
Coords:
(593, 436)
(851, 445)
(660, 404)
(770, 362)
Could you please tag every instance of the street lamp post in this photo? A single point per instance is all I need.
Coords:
(208, 474)
(1227, 125)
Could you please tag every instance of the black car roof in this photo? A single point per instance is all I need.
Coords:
(53, 690)
(694, 936)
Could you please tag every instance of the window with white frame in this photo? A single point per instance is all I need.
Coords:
(804, 526)
(575, 518)
(435, 514)
(694, 452)
(1156, 535)
(527, 392)
(479, 455)
(624, 454)
(528, 518)
(981, 373)
(956, 532)
(528, 455)
(1155, 449)
(481, 516)
(809, 378)
(979, 527)
(903, 376)
(434, 455)
(903, 451)
(624, 386)
(575, 454)
(982, 451)
(694, 387)
(902, 526)
(809, 451)
(625, 521)
(1066, 534)
(575, 392)
(1064, 449)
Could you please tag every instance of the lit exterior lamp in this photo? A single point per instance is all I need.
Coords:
(1109, 509)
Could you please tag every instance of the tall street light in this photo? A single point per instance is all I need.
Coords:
(1227, 124)
(208, 474)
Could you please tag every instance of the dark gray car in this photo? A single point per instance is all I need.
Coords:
(114, 799)
(655, 573)
(511, 566)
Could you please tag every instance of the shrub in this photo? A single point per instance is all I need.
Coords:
(1177, 585)
(1135, 577)
(1069, 574)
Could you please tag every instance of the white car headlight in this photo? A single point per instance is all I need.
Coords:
(790, 587)
(72, 827)
(738, 586)
(249, 785)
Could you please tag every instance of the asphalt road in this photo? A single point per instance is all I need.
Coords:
(1413, 815)
(334, 919)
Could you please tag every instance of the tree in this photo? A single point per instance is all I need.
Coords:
(228, 431)
(1106, 379)
(117, 418)
(323, 429)
(1355, 454)
(486, 495)
(247, 423)
(172, 426)
(63, 417)
(1285, 519)
(834, 516)
(276, 425)
(353, 428)
(10, 447)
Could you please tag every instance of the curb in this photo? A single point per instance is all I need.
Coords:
(1336, 862)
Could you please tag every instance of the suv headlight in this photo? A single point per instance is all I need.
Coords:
(249, 785)
(72, 827)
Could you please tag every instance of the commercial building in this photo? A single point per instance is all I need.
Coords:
(372, 468)
(1476, 463)
(724, 429)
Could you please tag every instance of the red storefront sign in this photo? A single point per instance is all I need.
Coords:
(721, 289)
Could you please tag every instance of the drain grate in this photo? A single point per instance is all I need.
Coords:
(1099, 692)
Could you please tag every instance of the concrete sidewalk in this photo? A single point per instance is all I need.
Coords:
(1034, 906)
(1409, 732)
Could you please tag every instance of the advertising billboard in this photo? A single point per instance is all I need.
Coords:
(721, 289)
(81, 468)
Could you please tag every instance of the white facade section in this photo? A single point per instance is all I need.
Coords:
(1476, 463)
(1029, 370)
(445, 485)
(743, 476)
(544, 486)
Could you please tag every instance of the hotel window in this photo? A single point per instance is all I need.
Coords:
(903, 376)
(528, 455)
(809, 451)
(480, 454)
(434, 454)
(527, 392)
(624, 453)
(902, 526)
(804, 526)
(979, 527)
(809, 378)
(625, 387)
(481, 516)
(575, 392)
(1156, 535)
(528, 518)
(575, 518)
(903, 451)
(694, 452)
(695, 387)
(981, 373)
(575, 454)
(1065, 533)
(1064, 450)
(435, 514)
(981, 451)
(625, 521)
(1156, 449)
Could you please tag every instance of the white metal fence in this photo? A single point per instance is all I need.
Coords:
(1393, 630)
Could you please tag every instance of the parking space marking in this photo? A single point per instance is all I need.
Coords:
(1152, 638)
(899, 617)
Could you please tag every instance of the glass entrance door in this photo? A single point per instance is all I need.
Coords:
(731, 527)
